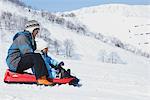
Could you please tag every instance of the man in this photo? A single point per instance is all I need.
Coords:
(21, 54)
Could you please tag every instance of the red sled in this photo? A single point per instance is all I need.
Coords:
(13, 77)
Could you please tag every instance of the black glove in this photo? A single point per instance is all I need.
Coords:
(61, 64)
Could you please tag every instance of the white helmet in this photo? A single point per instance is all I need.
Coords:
(40, 44)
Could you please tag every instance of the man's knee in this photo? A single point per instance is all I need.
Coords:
(33, 56)
(37, 55)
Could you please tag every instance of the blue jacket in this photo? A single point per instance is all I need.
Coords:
(49, 63)
(23, 43)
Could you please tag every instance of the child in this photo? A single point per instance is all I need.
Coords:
(55, 69)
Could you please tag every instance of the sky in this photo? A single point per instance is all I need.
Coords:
(68, 5)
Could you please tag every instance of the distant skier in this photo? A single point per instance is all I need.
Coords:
(21, 54)
(55, 69)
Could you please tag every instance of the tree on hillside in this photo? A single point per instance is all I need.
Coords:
(57, 46)
(69, 47)
(11, 21)
(18, 2)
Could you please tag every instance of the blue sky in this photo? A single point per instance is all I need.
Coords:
(67, 5)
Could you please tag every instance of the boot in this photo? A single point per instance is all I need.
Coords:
(43, 81)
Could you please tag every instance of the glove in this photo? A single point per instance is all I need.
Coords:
(61, 64)
(59, 67)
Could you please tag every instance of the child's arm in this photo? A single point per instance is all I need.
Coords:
(52, 62)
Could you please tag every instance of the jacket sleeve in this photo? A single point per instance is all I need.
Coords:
(24, 45)
(52, 62)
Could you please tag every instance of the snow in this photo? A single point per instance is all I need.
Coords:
(100, 80)
(124, 22)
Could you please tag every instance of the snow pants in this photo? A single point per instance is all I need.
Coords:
(34, 60)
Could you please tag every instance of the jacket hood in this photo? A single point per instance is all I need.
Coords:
(22, 33)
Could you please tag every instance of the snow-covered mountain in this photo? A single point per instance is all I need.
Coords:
(130, 24)
(106, 71)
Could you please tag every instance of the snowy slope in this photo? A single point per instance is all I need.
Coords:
(99, 81)
(128, 80)
(129, 23)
